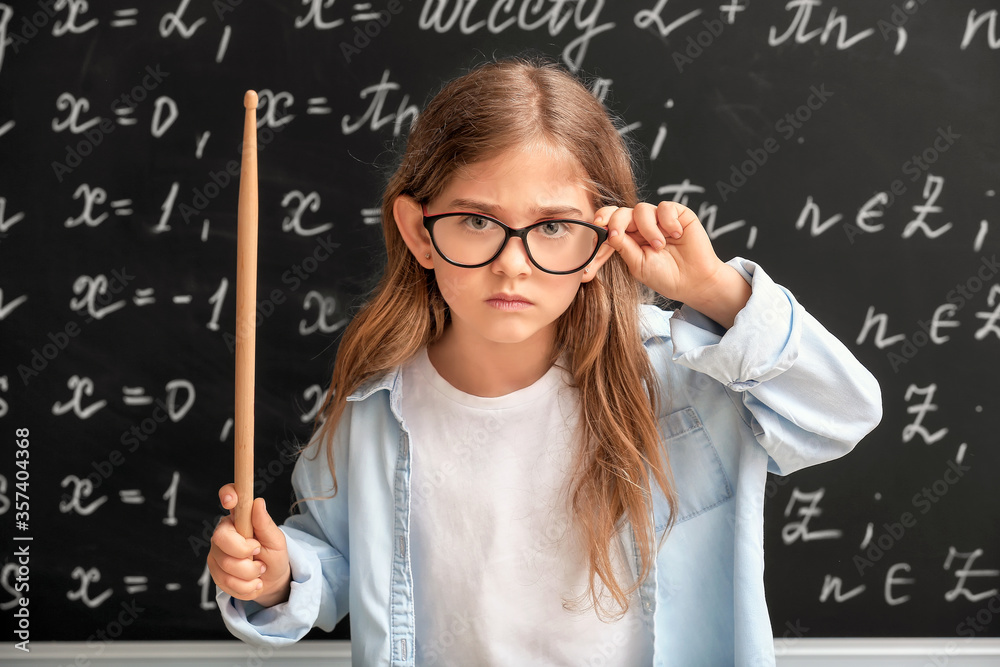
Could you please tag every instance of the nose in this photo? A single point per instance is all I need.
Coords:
(513, 259)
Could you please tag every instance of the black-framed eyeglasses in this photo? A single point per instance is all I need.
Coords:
(471, 240)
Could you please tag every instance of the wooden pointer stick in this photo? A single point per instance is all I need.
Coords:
(246, 313)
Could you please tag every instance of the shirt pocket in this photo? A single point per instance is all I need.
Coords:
(699, 478)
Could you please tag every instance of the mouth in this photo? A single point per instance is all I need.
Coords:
(508, 302)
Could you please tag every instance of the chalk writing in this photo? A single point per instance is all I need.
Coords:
(87, 577)
(174, 22)
(74, 8)
(326, 306)
(531, 15)
(794, 531)
(976, 22)
(920, 410)
(115, 304)
(373, 114)
(314, 16)
(293, 222)
(797, 29)
(69, 103)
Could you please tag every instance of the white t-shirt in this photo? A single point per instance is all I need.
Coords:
(492, 555)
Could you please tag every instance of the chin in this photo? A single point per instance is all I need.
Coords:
(510, 338)
(512, 333)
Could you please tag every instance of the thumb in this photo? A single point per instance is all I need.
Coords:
(264, 528)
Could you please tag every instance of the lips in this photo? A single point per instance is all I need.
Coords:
(508, 302)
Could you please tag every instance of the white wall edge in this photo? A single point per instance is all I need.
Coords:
(339, 649)
(184, 650)
(888, 647)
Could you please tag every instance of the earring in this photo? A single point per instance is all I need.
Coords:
(427, 255)
(587, 270)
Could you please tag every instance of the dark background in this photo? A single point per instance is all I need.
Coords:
(880, 110)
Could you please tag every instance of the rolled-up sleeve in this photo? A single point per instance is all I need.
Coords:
(809, 399)
(316, 539)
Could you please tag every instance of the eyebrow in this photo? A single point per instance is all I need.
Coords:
(462, 204)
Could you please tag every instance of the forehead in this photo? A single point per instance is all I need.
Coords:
(524, 178)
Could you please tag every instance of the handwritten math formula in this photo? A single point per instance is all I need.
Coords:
(849, 147)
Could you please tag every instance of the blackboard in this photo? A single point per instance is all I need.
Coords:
(852, 148)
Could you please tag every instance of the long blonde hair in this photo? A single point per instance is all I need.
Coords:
(496, 107)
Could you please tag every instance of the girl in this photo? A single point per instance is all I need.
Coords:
(509, 436)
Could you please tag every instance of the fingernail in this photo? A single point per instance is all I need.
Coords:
(676, 235)
(613, 233)
(256, 551)
(657, 243)
(260, 585)
(598, 220)
(226, 499)
(263, 568)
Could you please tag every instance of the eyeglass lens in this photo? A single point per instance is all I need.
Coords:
(557, 245)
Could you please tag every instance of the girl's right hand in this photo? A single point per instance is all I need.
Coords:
(250, 569)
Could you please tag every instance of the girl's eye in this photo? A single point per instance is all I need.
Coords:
(553, 229)
(477, 223)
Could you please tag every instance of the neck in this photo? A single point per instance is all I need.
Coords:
(489, 369)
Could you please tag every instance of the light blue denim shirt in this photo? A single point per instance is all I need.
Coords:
(776, 392)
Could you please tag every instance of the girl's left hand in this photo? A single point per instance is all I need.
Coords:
(665, 247)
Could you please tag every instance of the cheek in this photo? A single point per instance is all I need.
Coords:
(562, 292)
(453, 285)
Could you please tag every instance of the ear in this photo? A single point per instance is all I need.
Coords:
(410, 221)
(603, 254)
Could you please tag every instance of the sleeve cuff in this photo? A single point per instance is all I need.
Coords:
(762, 343)
(284, 623)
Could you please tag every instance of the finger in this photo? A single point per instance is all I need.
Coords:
(667, 214)
(238, 588)
(234, 584)
(264, 528)
(630, 251)
(619, 223)
(230, 542)
(241, 568)
(645, 217)
(684, 215)
(228, 496)
(603, 214)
